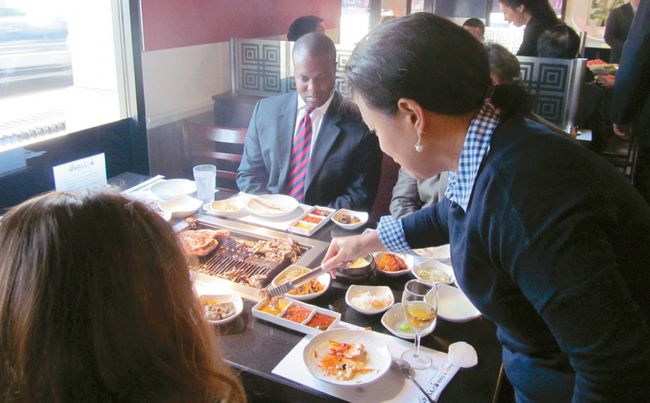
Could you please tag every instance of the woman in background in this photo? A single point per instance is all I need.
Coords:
(536, 15)
(547, 240)
(96, 305)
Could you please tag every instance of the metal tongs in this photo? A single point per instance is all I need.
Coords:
(273, 292)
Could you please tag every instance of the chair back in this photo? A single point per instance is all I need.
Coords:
(387, 179)
(555, 86)
(221, 146)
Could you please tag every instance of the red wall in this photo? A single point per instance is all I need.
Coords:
(176, 23)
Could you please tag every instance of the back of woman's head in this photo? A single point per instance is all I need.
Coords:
(503, 65)
(96, 304)
(536, 8)
(422, 57)
(560, 42)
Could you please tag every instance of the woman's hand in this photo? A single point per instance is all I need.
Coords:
(349, 248)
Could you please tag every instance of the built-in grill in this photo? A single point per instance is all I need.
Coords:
(233, 261)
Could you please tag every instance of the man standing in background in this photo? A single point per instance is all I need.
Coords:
(617, 27)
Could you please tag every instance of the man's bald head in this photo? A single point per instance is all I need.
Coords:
(314, 68)
(314, 44)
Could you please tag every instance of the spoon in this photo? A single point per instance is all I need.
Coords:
(405, 368)
(460, 355)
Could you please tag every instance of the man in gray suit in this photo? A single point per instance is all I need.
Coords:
(339, 159)
(617, 27)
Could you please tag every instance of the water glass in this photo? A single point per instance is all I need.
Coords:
(420, 304)
(205, 177)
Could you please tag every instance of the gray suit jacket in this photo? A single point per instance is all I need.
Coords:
(345, 163)
(410, 194)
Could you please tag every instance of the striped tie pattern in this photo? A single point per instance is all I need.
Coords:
(300, 157)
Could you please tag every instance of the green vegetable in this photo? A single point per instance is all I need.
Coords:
(404, 327)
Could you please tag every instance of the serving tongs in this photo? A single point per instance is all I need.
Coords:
(273, 292)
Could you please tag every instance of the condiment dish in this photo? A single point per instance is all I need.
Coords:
(168, 189)
(234, 299)
(340, 216)
(433, 271)
(409, 261)
(369, 300)
(396, 323)
(180, 206)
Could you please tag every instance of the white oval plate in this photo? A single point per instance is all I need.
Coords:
(454, 306)
(180, 206)
(435, 252)
(408, 259)
(355, 290)
(394, 318)
(215, 207)
(324, 279)
(285, 205)
(361, 215)
(434, 265)
(379, 357)
(234, 298)
(167, 189)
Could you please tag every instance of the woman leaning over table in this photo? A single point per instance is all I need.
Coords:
(96, 305)
(547, 240)
(536, 15)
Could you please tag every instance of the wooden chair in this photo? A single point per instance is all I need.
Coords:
(381, 205)
(220, 146)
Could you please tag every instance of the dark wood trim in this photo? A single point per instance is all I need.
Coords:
(138, 137)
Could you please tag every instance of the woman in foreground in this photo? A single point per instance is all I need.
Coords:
(96, 305)
(548, 241)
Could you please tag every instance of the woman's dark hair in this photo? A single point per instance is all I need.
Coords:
(537, 8)
(96, 304)
(303, 25)
(425, 58)
(559, 41)
(503, 64)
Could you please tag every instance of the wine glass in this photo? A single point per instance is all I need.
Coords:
(420, 304)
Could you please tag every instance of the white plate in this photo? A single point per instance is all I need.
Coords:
(234, 298)
(362, 216)
(379, 357)
(433, 266)
(408, 259)
(285, 205)
(356, 290)
(167, 189)
(394, 318)
(216, 207)
(435, 252)
(454, 306)
(180, 206)
(324, 279)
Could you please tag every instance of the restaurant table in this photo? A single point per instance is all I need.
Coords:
(254, 347)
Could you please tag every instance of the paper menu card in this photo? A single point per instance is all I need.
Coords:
(82, 174)
(392, 387)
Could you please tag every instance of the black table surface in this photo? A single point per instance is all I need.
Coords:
(254, 347)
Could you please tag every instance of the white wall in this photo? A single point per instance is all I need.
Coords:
(180, 82)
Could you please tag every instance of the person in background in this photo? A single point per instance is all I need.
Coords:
(410, 194)
(562, 42)
(476, 27)
(96, 305)
(304, 25)
(631, 99)
(504, 66)
(617, 27)
(311, 144)
(547, 240)
(536, 15)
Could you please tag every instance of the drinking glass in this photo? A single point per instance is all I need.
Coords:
(205, 177)
(420, 304)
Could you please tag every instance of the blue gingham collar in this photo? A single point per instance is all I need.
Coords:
(476, 146)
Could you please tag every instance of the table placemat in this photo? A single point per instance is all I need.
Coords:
(392, 387)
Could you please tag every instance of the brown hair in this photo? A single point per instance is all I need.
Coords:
(96, 304)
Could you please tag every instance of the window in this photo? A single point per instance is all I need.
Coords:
(62, 68)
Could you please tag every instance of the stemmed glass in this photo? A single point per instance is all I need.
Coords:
(420, 304)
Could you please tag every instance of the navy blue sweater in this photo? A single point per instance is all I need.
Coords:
(555, 249)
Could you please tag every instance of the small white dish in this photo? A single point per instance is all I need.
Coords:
(433, 271)
(454, 306)
(409, 260)
(168, 189)
(271, 206)
(235, 299)
(324, 279)
(396, 323)
(357, 291)
(379, 358)
(361, 215)
(230, 207)
(180, 206)
(441, 252)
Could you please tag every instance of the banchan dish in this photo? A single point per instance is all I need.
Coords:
(297, 315)
(311, 221)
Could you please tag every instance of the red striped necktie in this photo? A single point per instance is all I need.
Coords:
(300, 150)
